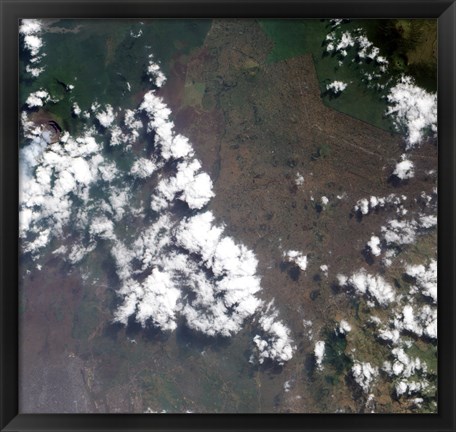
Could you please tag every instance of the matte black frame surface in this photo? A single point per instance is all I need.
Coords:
(12, 10)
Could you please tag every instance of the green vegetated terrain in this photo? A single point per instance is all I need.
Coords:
(248, 95)
(409, 45)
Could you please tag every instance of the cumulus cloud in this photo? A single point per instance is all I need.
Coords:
(154, 72)
(33, 44)
(171, 145)
(365, 206)
(38, 98)
(364, 374)
(297, 258)
(344, 327)
(143, 168)
(428, 221)
(172, 268)
(189, 185)
(319, 353)
(299, 180)
(403, 365)
(399, 232)
(404, 170)
(76, 109)
(106, 117)
(373, 286)
(186, 252)
(425, 278)
(414, 110)
(30, 29)
(275, 343)
(336, 87)
(374, 245)
(49, 180)
(422, 322)
(341, 42)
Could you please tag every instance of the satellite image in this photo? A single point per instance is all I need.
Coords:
(228, 216)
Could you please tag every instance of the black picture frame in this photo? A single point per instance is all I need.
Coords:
(12, 10)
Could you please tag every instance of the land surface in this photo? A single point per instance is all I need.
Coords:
(255, 125)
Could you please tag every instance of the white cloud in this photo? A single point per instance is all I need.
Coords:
(154, 72)
(169, 268)
(106, 118)
(188, 185)
(275, 343)
(30, 29)
(425, 278)
(374, 246)
(143, 168)
(367, 205)
(102, 227)
(362, 206)
(364, 374)
(160, 301)
(399, 232)
(341, 43)
(38, 98)
(49, 179)
(171, 145)
(403, 365)
(76, 109)
(344, 327)
(373, 286)
(404, 170)
(336, 87)
(319, 353)
(297, 258)
(422, 322)
(34, 71)
(30, 26)
(414, 110)
(428, 221)
(299, 180)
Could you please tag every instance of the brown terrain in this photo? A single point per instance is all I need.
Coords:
(254, 125)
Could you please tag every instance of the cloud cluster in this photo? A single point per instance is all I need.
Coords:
(275, 342)
(364, 374)
(374, 245)
(414, 110)
(409, 373)
(76, 110)
(30, 29)
(336, 87)
(339, 43)
(51, 177)
(297, 258)
(344, 327)
(188, 185)
(403, 365)
(37, 99)
(373, 286)
(425, 278)
(154, 72)
(319, 353)
(364, 206)
(398, 232)
(299, 180)
(143, 168)
(106, 117)
(170, 267)
(422, 322)
(404, 170)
